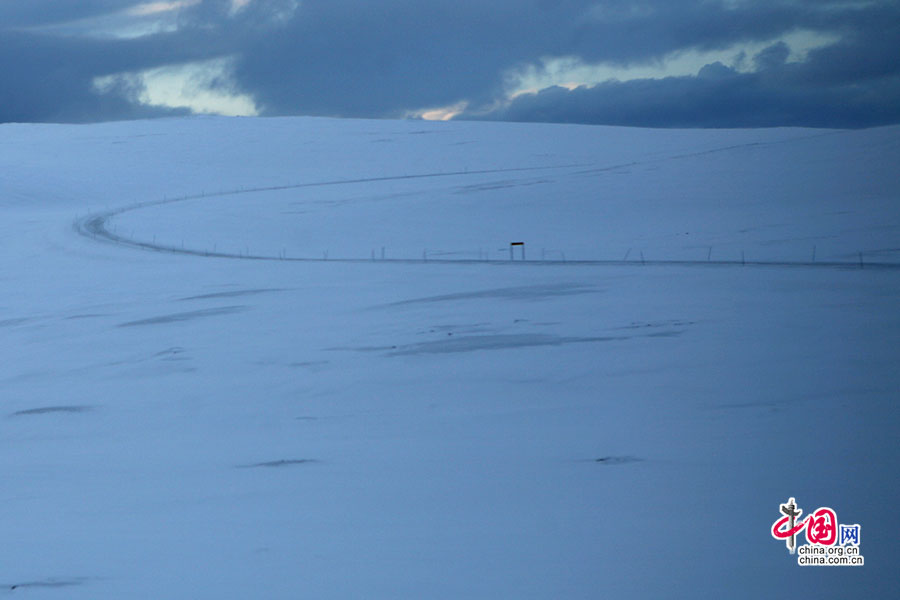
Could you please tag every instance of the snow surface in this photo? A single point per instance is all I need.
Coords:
(192, 409)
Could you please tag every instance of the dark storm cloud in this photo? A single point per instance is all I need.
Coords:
(853, 83)
(375, 59)
(712, 99)
(350, 58)
(362, 59)
(47, 77)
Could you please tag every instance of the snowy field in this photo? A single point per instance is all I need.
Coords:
(291, 358)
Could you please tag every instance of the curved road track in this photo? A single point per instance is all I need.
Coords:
(94, 226)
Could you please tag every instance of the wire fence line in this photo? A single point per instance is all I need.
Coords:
(96, 227)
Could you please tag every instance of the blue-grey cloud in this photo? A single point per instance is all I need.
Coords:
(350, 58)
(850, 84)
(42, 12)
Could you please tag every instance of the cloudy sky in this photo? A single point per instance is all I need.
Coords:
(668, 63)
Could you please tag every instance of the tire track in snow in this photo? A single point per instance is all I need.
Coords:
(94, 226)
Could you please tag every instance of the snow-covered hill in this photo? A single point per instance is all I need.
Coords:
(291, 358)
